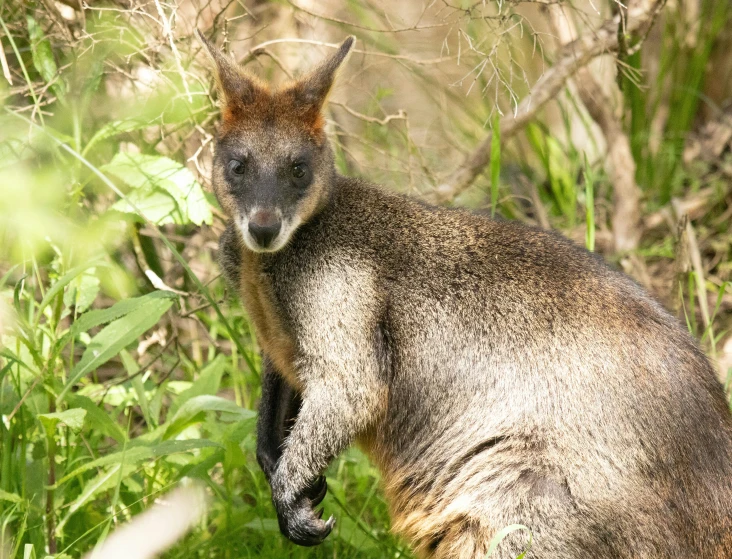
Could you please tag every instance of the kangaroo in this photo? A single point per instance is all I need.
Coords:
(495, 373)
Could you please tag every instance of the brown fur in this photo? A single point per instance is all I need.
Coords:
(496, 374)
(257, 297)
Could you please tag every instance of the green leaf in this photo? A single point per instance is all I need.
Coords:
(157, 181)
(208, 382)
(189, 411)
(561, 172)
(239, 430)
(98, 418)
(114, 128)
(94, 318)
(495, 162)
(140, 451)
(201, 469)
(73, 418)
(8, 397)
(156, 403)
(106, 479)
(234, 457)
(9, 273)
(102, 316)
(354, 535)
(115, 337)
(67, 278)
(155, 205)
(43, 60)
(269, 525)
(11, 497)
(589, 205)
(82, 291)
(132, 369)
(502, 534)
(92, 74)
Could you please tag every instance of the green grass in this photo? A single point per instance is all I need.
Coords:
(677, 88)
(125, 366)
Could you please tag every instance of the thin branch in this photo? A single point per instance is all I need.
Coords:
(399, 115)
(5, 67)
(694, 206)
(696, 263)
(254, 50)
(574, 56)
(23, 399)
(166, 24)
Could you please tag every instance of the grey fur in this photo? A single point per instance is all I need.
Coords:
(495, 373)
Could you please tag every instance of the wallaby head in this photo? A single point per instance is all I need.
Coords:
(273, 167)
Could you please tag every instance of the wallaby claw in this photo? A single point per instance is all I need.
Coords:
(317, 490)
(301, 524)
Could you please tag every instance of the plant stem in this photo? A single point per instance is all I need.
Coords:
(50, 492)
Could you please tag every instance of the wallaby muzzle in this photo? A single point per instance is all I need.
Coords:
(264, 226)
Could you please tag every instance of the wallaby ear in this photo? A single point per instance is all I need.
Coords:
(312, 90)
(235, 87)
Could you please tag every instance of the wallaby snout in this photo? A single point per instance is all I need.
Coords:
(264, 226)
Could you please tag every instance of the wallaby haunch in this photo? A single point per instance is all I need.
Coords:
(495, 373)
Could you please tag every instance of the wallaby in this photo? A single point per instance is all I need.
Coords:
(495, 373)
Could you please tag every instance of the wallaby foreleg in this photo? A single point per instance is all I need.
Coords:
(278, 410)
(331, 416)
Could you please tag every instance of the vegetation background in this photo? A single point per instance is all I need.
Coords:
(125, 367)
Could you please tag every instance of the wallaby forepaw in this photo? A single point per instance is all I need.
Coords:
(301, 524)
(316, 491)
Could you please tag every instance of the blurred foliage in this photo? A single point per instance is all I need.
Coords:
(123, 367)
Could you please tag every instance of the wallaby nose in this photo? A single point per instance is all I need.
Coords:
(264, 227)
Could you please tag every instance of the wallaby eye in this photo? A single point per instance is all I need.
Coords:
(236, 167)
(299, 170)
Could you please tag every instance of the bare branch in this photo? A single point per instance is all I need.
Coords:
(696, 263)
(571, 58)
(5, 67)
(427, 61)
(166, 24)
(694, 206)
(399, 115)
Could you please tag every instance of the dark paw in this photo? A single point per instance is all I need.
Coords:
(316, 491)
(301, 524)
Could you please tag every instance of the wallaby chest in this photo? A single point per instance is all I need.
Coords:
(259, 299)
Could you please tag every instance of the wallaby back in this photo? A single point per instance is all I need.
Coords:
(497, 374)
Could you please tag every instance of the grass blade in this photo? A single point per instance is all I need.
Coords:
(115, 337)
(495, 162)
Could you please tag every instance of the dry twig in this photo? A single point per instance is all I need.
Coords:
(696, 264)
(5, 67)
(411, 60)
(167, 25)
(694, 206)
